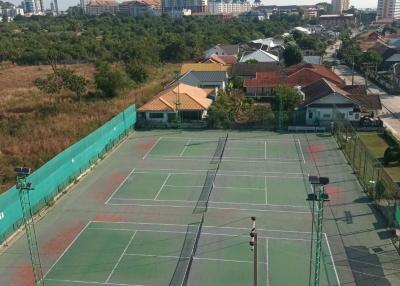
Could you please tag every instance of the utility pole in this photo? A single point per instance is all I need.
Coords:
(352, 71)
(24, 187)
(320, 197)
(254, 248)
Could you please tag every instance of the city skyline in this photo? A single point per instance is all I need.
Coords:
(64, 4)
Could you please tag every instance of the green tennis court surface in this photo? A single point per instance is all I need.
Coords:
(262, 176)
(148, 254)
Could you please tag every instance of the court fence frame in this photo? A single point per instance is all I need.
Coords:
(65, 168)
(372, 175)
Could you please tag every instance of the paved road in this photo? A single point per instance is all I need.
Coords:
(390, 113)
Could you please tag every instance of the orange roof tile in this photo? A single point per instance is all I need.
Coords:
(190, 98)
(203, 67)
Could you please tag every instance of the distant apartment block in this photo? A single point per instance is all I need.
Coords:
(33, 6)
(196, 6)
(388, 10)
(140, 7)
(338, 6)
(98, 7)
(337, 20)
(228, 7)
(10, 13)
(310, 12)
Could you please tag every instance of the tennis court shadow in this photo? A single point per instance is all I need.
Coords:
(360, 258)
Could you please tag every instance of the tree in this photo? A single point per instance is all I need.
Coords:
(136, 72)
(285, 98)
(52, 85)
(73, 82)
(292, 55)
(111, 81)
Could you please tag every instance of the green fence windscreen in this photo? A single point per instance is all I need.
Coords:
(50, 179)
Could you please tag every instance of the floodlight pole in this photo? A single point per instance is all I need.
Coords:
(321, 197)
(254, 248)
(24, 187)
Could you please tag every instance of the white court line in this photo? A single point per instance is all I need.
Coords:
(205, 170)
(214, 202)
(333, 262)
(202, 233)
(120, 185)
(120, 258)
(267, 259)
(66, 249)
(273, 160)
(255, 189)
(233, 140)
(284, 175)
(184, 149)
(162, 187)
(265, 150)
(91, 282)
(301, 151)
(210, 207)
(226, 260)
(266, 190)
(226, 158)
(205, 226)
(151, 149)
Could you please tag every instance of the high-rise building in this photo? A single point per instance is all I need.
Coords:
(84, 4)
(29, 6)
(179, 5)
(338, 6)
(388, 10)
(39, 6)
(56, 7)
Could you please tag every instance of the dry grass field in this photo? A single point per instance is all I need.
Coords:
(33, 128)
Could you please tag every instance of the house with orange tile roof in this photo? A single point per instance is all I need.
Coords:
(227, 60)
(298, 75)
(188, 102)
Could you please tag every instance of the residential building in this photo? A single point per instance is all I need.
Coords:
(203, 67)
(10, 13)
(190, 102)
(228, 7)
(259, 56)
(140, 7)
(98, 7)
(297, 75)
(310, 12)
(222, 50)
(195, 6)
(338, 6)
(388, 10)
(302, 30)
(322, 100)
(266, 44)
(56, 7)
(337, 20)
(249, 71)
(222, 60)
(217, 80)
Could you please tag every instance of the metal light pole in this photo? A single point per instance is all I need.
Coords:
(318, 183)
(24, 187)
(254, 248)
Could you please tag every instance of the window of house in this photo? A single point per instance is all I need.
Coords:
(351, 113)
(310, 114)
(158, 115)
(357, 116)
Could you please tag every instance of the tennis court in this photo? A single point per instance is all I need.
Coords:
(217, 184)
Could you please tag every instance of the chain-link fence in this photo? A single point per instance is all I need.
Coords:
(371, 173)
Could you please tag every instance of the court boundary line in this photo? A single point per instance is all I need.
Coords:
(333, 261)
(205, 170)
(120, 257)
(210, 207)
(204, 226)
(184, 148)
(202, 233)
(225, 158)
(266, 190)
(267, 259)
(301, 151)
(120, 186)
(91, 282)
(212, 139)
(162, 186)
(66, 249)
(152, 147)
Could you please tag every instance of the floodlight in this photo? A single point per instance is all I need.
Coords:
(23, 171)
(313, 179)
(253, 218)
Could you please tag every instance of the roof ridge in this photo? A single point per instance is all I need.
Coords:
(166, 103)
(196, 100)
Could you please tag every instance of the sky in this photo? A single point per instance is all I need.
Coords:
(64, 4)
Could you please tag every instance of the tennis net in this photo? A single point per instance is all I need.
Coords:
(189, 248)
(202, 202)
(219, 152)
